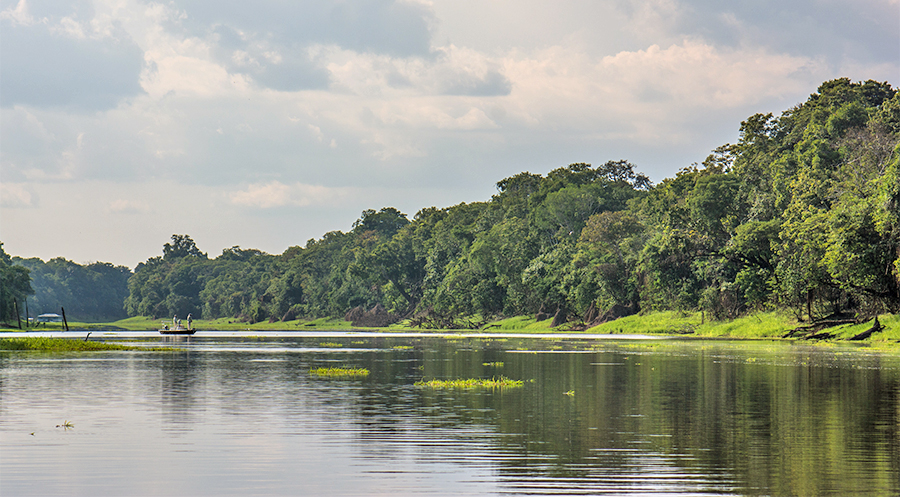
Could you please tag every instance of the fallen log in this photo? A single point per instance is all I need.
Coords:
(818, 336)
(876, 327)
(810, 331)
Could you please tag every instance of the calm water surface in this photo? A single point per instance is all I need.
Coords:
(241, 415)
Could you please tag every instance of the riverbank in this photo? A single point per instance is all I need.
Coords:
(759, 325)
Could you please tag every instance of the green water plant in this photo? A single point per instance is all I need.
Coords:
(64, 345)
(492, 383)
(339, 372)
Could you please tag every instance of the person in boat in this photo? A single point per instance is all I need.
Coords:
(190, 320)
(175, 321)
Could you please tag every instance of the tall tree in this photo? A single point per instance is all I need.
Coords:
(15, 286)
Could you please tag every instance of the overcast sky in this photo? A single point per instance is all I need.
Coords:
(264, 124)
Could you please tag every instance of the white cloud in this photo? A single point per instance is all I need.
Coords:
(277, 194)
(128, 206)
(18, 14)
(70, 27)
(701, 75)
(427, 103)
(451, 71)
(16, 196)
(648, 95)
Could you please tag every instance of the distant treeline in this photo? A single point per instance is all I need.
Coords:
(90, 292)
(803, 213)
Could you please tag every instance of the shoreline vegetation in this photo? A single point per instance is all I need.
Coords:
(773, 325)
(44, 344)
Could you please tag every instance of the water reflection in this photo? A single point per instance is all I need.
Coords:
(244, 416)
(179, 383)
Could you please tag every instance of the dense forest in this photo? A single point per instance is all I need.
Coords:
(802, 214)
(91, 292)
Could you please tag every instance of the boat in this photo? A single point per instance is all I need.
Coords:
(177, 330)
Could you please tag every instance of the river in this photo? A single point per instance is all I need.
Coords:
(240, 414)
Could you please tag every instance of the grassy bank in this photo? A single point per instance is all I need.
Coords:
(62, 345)
(759, 325)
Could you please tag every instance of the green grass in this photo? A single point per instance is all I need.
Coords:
(339, 372)
(520, 324)
(758, 325)
(667, 322)
(890, 332)
(63, 345)
(502, 382)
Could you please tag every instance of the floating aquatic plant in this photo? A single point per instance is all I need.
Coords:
(64, 345)
(331, 344)
(493, 364)
(502, 382)
(339, 372)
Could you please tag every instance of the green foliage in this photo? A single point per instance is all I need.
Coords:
(15, 286)
(62, 345)
(800, 213)
(90, 292)
(340, 372)
(385, 222)
(471, 383)
(238, 284)
(182, 246)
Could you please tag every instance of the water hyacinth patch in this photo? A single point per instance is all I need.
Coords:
(502, 382)
(339, 372)
(64, 345)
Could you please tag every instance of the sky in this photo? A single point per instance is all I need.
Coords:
(266, 124)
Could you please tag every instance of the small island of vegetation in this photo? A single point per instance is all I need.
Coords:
(339, 372)
(64, 345)
(470, 383)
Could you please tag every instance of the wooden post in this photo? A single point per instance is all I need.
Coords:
(64, 318)
(18, 317)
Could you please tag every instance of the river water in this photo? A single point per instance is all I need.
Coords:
(240, 414)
